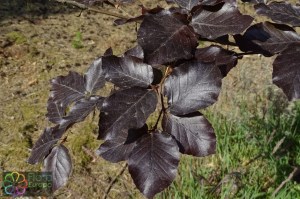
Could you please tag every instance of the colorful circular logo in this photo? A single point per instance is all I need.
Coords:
(14, 184)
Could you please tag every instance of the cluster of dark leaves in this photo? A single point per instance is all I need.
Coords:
(166, 39)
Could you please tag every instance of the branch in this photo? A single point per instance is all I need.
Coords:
(111, 184)
(84, 7)
(292, 174)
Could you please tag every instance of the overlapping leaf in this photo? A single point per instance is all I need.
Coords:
(125, 109)
(224, 59)
(120, 147)
(60, 164)
(267, 38)
(67, 89)
(280, 12)
(136, 51)
(45, 143)
(127, 71)
(214, 21)
(191, 86)
(55, 111)
(94, 78)
(80, 110)
(153, 163)
(253, 1)
(166, 37)
(72, 88)
(193, 133)
(286, 71)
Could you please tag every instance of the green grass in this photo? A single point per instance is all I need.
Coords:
(77, 41)
(245, 165)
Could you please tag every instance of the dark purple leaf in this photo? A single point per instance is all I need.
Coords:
(60, 164)
(192, 86)
(153, 163)
(127, 71)
(253, 1)
(119, 148)
(189, 4)
(286, 71)
(193, 133)
(67, 89)
(45, 143)
(94, 78)
(166, 37)
(80, 110)
(137, 51)
(55, 111)
(224, 59)
(280, 12)
(210, 23)
(267, 38)
(108, 52)
(125, 109)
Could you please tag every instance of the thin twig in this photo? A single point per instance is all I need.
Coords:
(111, 184)
(84, 7)
(292, 174)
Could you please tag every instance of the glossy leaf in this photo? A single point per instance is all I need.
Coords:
(253, 1)
(45, 143)
(94, 78)
(60, 164)
(280, 12)
(127, 71)
(193, 132)
(190, 4)
(125, 109)
(136, 51)
(80, 110)
(55, 111)
(192, 86)
(215, 22)
(166, 37)
(67, 89)
(71, 88)
(153, 163)
(119, 148)
(267, 38)
(286, 71)
(224, 59)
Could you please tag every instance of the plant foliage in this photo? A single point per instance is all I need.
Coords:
(166, 72)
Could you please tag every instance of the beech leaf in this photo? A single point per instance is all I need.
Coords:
(211, 23)
(280, 12)
(166, 37)
(224, 59)
(60, 164)
(80, 110)
(125, 109)
(286, 71)
(67, 89)
(127, 71)
(119, 148)
(153, 163)
(94, 78)
(44, 144)
(193, 133)
(192, 86)
(267, 38)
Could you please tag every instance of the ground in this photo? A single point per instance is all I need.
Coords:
(41, 39)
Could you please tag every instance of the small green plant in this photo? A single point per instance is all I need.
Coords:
(77, 41)
(16, 37)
